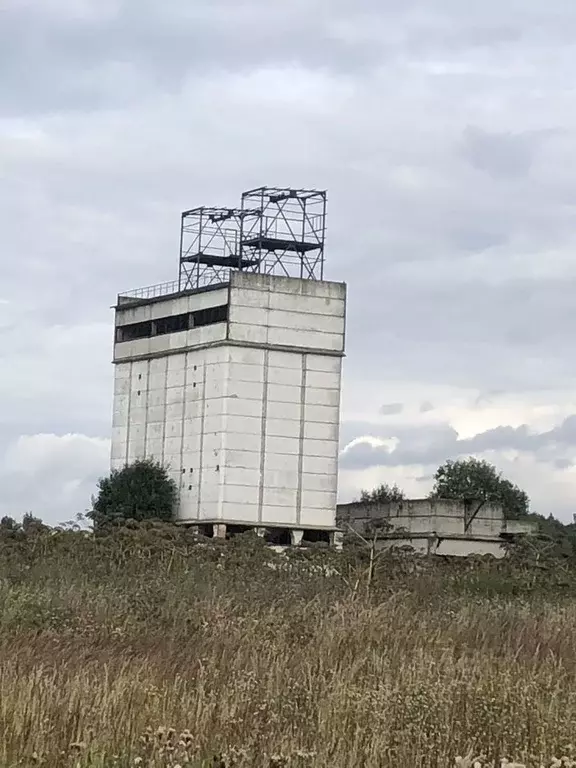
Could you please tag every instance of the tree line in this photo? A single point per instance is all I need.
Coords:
(144, 491)
(472, 479)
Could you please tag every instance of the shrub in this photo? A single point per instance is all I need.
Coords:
(140, 491)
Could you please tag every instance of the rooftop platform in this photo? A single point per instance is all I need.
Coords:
(160, 292)
(279, 244)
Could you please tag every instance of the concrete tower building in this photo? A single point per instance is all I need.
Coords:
(231, 375)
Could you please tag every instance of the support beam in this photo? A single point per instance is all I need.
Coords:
(337, 540)
(296, 536)
(219, 531)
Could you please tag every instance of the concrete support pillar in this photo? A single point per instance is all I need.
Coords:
(296, 536)
(219, 531)
(337, 540)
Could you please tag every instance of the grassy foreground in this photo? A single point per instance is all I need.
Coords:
(146, 649)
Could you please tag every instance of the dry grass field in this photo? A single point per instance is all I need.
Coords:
(147, 650)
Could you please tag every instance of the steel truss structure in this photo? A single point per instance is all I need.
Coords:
(288, 238)
(210, 245)
(276, 230)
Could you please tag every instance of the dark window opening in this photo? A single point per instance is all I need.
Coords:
(210, 316)
(134, 331)
(172, 324)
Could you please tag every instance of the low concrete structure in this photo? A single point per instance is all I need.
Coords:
(434, 526)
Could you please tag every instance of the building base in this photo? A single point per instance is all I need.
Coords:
(272, 534)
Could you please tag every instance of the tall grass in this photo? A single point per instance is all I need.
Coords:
(146, 649)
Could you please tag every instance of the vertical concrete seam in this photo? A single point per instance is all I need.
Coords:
(222, 457)
(147, 413)
(181, 482)
(301, 439)
(128, 410)
(202, 432)
(165, 405)
(264, 422)
(338, 429)
(263, 429)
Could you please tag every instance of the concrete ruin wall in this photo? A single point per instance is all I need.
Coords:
(442, 526)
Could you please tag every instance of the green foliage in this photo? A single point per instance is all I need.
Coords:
(8, 525)
(556, 539)
(383, 494)
(475, 479)
(31, 523)
(140, 491)
(275, 659)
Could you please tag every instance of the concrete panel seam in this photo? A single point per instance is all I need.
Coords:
(187, 367)
(232, 343)
(301, 440)
(202, 434)
(164, 407)
(147, 420)
(128, 416)
(263, 434)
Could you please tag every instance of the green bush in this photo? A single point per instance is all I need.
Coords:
(140, 491)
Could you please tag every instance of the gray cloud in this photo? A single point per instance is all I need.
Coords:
(443, 132)
(499, 154)
(437, 443)
(391, 409)
(416, 445)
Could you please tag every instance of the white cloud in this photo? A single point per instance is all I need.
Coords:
(375, 442)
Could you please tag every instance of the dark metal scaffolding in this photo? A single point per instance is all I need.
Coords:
(210, 245)
(288, 237)
(276, 231)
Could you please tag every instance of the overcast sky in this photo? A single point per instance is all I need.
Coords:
(444, 132)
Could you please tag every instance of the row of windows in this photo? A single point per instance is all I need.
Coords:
(172, 324)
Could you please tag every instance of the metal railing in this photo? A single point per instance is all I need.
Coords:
(151, 291)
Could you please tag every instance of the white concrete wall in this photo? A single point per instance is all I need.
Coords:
(446, 517)
(174, 304)
(246, 412)
(286, 312)
(448, 547)
(171, 408)
(281, 437)
(439, 526)
(169, 343)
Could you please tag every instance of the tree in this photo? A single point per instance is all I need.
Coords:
(9, 525)
(383, 494)
(31, 524)
(140, 491)
(476, 480)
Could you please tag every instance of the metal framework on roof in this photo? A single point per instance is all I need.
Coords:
(210, 245)
(275, 231)
(288, 237)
